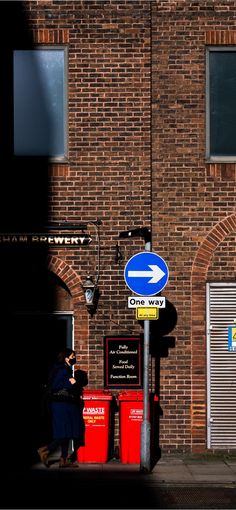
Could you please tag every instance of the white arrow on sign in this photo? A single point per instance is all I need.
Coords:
(155, 274)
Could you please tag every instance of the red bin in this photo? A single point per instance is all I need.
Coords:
(96, 414)
(130, 417)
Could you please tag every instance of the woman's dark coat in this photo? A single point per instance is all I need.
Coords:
(67, 421)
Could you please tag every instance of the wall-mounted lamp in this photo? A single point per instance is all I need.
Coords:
(89, 288)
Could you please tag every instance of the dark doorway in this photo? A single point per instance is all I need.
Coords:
(41, 336)
(44, 335)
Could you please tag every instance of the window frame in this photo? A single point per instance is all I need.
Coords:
(55, 47)
(211, 158)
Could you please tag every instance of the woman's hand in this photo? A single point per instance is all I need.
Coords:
(72, 380)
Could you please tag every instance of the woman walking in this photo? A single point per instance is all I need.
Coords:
(65, 412)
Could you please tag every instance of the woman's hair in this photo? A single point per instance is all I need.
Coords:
(65, 353)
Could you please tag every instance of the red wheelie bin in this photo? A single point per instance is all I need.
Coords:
(130, 419)
(96, 414)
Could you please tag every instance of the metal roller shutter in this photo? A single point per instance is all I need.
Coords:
(221, 367)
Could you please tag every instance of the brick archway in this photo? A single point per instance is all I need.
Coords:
(68, 275)
(81, 327)
(198, 327)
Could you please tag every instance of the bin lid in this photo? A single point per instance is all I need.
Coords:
(96, 395)
(131, 395)
(135, 395)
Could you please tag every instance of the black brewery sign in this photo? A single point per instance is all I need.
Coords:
(123, 362)
(45, 239)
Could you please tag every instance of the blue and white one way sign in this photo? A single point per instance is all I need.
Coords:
(146, 273)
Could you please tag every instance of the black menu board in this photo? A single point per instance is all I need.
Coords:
(122, 363)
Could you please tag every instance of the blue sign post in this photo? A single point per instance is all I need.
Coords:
(146, 273)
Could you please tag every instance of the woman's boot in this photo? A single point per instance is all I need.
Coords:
(43, 454)
(72, 460)
(63, 462)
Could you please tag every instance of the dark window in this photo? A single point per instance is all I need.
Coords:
(40, 103)
(221, 104)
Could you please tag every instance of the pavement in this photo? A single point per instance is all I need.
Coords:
(198, 469)
(190, 469)
(175, 482)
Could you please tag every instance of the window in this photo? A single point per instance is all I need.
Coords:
(40, 119)
(221, 104)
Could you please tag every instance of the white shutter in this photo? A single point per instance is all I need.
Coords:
(221, 366)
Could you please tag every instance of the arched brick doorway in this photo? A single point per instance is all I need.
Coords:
(80, 314)
(200, 268)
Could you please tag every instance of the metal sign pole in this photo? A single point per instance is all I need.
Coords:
(146, 274)
(145, 459)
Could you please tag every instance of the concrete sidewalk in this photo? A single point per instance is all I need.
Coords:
(168, 470)
(199, 469)
(176, 482)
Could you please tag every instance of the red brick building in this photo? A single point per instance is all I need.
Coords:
(140, 152)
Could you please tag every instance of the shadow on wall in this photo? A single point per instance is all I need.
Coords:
(160, 343)
(24, 280)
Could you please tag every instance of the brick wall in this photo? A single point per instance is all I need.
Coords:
(193, 210)
(121, 52)
(108, 174)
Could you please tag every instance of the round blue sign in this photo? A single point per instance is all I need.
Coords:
(146, 273)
